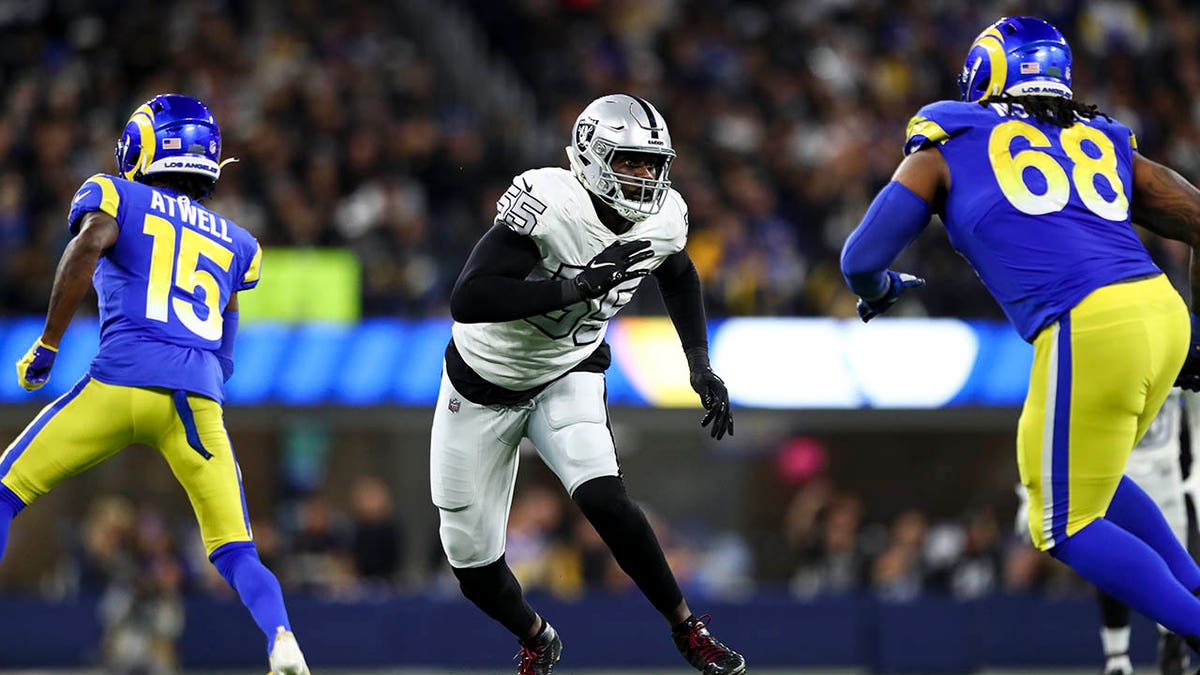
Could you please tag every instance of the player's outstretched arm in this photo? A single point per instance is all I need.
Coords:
(679, 284)
(97, 231)
(1168, 205)
(897, 215)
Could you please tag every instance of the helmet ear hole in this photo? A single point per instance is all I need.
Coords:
(129, 151)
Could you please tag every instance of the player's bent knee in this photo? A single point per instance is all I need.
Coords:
(233, 549)
(602, 495)
(219, 539)
(482, 581)
(464, 548)
(11, 500)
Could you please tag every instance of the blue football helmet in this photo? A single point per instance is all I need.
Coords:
(1018, 56)
(170, 133)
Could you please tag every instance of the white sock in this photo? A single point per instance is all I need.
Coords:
(1115, 641)
(1118, 663)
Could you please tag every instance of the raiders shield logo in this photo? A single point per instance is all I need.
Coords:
(455, 404)
(583, 135)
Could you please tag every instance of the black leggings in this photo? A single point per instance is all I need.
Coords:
(627, 533)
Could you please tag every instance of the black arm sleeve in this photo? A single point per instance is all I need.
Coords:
(679, 284)
(493, 288)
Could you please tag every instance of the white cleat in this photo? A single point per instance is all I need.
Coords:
(1118, 665)
(286, 658)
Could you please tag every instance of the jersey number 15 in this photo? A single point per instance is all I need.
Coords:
(171, 270)
(1010, 170)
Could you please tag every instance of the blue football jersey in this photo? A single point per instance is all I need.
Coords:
(163, 285)
(1040, 212)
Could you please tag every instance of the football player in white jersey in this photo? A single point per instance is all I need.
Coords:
(567, 250)
(1156, 466)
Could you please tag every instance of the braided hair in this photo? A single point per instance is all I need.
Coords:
(1054, 110)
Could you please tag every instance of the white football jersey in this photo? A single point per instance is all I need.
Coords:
(551, 207)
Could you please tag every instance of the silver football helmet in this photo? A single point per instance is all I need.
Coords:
(621, 123)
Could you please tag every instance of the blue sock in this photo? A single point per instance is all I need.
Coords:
(1132, 510)
(255, 585)
(10, 506)
(1126, 568)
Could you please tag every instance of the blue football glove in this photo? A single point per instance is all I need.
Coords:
(1189, 376)
(33, 370)
(897, 284)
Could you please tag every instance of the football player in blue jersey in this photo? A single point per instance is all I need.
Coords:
(1037, 191)
(167, 272)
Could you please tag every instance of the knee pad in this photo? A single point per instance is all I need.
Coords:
(465, 548)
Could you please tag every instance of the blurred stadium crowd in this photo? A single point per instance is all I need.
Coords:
(821, 544)
(142, 562)
(787, 115)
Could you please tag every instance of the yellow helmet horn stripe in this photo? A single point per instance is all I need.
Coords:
(993, 43)
(144, 118)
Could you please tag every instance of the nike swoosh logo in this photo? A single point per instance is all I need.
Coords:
(615, 127)
(79, 196)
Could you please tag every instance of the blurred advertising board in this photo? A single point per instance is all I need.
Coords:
(768, 363)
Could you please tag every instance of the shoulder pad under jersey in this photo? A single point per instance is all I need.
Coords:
(537, 200)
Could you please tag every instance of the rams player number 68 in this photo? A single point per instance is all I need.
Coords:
(1037, 191)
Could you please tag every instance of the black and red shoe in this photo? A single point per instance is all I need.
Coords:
(703, 651)
(539, 653)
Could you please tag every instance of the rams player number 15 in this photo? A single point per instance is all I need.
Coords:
(167, 272)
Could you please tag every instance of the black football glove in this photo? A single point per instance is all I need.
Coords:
(713, 395)
(611, 266)
(1189, 376)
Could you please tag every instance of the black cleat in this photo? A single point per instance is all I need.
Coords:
(539, 653)
(703, 651)
(1172, 654)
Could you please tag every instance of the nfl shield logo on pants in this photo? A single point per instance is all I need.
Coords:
(455, 404)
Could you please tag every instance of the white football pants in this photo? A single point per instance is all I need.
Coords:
(473, 457)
